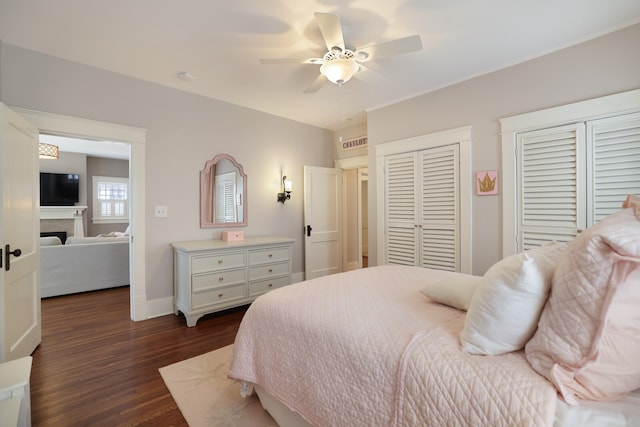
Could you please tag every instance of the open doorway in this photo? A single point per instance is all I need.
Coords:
(355, 201)
(84, 216)
(363, 216)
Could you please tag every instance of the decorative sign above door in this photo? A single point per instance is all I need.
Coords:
(350, 144)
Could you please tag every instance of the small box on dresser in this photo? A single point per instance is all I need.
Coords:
(232, 236)
(213, 275)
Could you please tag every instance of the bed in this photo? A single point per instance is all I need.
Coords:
(400, 346)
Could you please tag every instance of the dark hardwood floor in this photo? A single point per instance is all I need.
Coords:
(96, 367)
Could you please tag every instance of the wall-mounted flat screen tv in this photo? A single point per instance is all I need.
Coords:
(59, 189)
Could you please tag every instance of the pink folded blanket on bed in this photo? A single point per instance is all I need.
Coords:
(366, 348)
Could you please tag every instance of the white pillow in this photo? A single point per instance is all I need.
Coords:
(504, 312)
(454, 291)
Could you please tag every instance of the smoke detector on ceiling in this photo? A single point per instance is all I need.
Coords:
(185, 76)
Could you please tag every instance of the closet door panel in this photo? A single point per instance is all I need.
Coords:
(439, 208)
(614, 154)
(400, 209)
(550, 173)
(439, 246)
(402, 247)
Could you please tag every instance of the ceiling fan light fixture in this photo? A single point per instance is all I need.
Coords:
(339, 71)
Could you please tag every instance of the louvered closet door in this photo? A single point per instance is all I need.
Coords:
(439, 208)
(400, 209)
(551, 185)
(614, 152)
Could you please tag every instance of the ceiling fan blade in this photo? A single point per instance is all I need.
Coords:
(317, 83)
(268, 61)
(331, 30)
(370, 77)
(393, 47)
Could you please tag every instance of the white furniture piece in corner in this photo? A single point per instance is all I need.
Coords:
(15, 394)
(213, 275)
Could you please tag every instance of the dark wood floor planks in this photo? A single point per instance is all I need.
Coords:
(96, 367)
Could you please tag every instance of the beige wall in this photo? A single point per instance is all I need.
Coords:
(602, 66)
(183, 132)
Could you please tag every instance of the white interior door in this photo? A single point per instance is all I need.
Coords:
(19, 237)
(323, 221)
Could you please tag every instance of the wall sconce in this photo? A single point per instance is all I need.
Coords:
(286, 194)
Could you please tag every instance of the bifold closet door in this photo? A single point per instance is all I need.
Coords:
(570, 177)
(422, 208)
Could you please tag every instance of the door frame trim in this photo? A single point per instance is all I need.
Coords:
(77, 127)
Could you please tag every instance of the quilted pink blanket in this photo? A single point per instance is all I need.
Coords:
(366, 348)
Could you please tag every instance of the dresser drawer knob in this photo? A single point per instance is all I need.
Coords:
(270, 284)
(271, 270)
(221, 278)
(220, 295)
(220, 261)
(270, 255)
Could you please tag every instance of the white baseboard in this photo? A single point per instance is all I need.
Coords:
(159, 307)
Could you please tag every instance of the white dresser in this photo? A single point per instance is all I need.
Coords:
(213, 275)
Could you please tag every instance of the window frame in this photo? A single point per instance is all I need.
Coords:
(96, 217)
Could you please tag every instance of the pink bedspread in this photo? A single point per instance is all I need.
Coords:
(366, 348)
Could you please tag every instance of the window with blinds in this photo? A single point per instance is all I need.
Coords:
(110, 200)
(570, 177)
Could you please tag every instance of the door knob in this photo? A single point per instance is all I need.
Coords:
(309, 230)
(7, 256)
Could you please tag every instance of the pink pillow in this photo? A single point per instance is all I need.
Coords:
(588, 339)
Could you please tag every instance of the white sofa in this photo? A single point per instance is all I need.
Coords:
(83, 264)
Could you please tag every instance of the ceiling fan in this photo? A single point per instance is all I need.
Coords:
(340, 63)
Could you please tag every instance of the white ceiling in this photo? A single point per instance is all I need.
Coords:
(108, 149)
(220, 43)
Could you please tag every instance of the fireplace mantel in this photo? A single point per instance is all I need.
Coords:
(61, 212)
(75, 213)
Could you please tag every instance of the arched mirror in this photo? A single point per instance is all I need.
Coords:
(223, 193)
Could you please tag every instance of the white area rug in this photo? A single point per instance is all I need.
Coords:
(206, 397)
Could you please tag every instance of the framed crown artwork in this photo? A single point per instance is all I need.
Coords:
(486, 183)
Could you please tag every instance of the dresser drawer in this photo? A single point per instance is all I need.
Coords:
(217, 296)
(269, 255)
(201, 282)
(263, 286)
(269, 270)
(217, 261)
